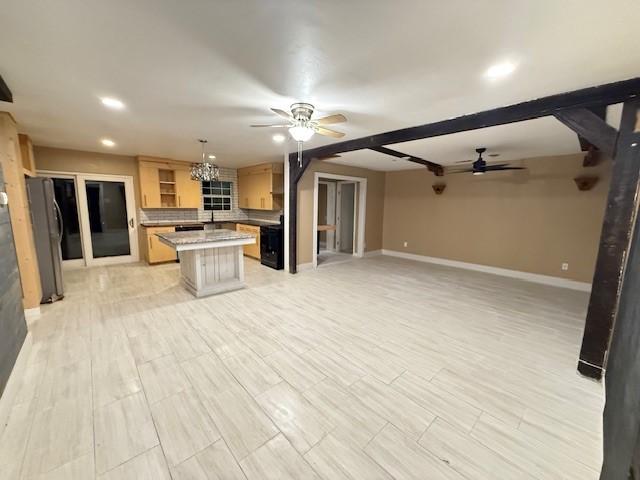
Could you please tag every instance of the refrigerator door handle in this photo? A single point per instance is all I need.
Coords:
(60, 221)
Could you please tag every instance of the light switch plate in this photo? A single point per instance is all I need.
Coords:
(4, 199)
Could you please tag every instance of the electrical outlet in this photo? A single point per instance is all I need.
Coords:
(565, 267)
(406, 244)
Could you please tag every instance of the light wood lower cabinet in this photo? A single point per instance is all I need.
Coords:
(158, 252)
(254, 249)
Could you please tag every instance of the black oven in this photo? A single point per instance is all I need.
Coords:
(272, 246)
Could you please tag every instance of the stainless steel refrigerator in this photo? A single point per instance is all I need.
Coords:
(47, 231)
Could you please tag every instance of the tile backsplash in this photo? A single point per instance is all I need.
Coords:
(201, 215)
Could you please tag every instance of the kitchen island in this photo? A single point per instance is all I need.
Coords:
(211, 261)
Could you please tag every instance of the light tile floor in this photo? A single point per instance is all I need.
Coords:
(376, 368)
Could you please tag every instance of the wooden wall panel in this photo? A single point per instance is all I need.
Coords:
(13, 328)
(11, 162)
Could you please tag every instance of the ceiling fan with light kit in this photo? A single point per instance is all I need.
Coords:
(302, 127)
(480, 166)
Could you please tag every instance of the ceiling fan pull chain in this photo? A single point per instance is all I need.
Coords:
(300, 154)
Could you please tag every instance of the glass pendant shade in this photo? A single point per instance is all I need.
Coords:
(205, 171)
(301, 133)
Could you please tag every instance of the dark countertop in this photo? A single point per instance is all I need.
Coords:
(171, 224)
(255, 223)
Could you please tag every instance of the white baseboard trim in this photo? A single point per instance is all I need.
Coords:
(14, 383)
(530, 277)
(372, 253)
(305, 266)
(31, 313)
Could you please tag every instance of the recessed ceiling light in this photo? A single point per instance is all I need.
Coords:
(212, 157)
(278, 138)
(107, 142)
(113, 103)
(500, 70)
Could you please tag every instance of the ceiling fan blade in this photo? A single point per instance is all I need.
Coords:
(275, 125)
(327, 132)
(330, 156)
(497, 165)
(496, 168)
(464, 161)
(282, 113)
(330, 119)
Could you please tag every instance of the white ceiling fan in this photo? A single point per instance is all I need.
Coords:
(302, 127)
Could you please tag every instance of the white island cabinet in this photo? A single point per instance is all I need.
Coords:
(211, 261)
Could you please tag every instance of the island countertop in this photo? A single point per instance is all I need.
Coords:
(198, 239)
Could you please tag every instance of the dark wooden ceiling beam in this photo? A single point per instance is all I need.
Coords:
(601, 112)
(5, 93)
(437, 169)
(591, 127)
(585, 98)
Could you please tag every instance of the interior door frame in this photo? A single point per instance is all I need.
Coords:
(354, 240)
(83, 212)
(360, 207)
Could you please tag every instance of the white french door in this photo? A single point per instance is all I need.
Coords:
(98, 213)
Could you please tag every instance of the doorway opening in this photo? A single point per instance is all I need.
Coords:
(339, 218)
(98, 218)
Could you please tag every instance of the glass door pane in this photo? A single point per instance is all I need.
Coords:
(108, 219)
(65, 194)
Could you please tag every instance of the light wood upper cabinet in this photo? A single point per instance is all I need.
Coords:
(149, 185)
(188, 191)
(261, 187)
(244, 190)
(167, 184)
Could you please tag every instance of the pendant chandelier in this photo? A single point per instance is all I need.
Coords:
(205, 171)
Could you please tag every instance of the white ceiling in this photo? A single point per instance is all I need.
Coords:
(203, 68)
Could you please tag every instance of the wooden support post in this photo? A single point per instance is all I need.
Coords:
(621, 420)
(614, 242)
(294, 170)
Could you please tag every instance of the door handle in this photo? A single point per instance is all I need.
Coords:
(131, 222)
(179, 202)
(150, 243)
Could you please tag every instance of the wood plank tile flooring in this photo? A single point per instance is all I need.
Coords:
(375, 368)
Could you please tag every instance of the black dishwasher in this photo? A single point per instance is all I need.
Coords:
(272, 246)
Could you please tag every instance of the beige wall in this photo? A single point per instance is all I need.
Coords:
(63, 160)
(375, 206)
(531, 221)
